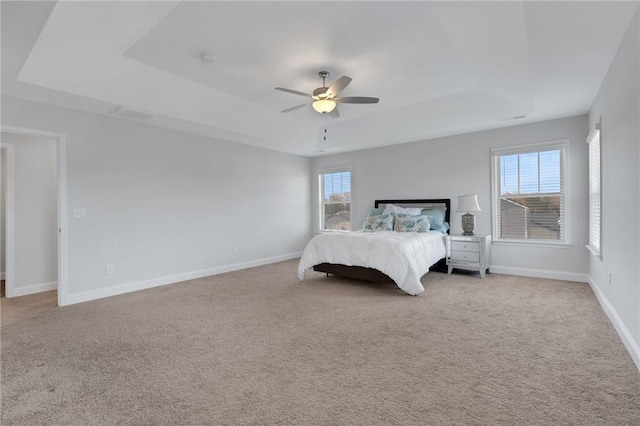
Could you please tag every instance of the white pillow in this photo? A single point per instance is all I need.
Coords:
(413, 211)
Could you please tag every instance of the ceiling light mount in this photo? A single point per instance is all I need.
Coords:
(321, 92)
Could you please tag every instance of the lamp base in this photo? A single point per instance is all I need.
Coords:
(468, 224)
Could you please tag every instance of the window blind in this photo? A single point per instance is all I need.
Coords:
(337, 186)
(594, 192)
(335, 200)
(529, 194)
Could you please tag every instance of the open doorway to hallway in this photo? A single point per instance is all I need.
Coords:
(29, 186)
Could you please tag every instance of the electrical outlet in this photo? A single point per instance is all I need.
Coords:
(609, 278)
(253, 247)
(79, 213)
(111, 268)
(236, 250)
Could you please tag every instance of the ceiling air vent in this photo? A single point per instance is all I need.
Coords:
(133, 114)
(517, 117)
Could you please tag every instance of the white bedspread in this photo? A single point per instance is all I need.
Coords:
(404, 256)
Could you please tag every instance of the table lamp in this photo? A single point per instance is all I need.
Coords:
(468, 203)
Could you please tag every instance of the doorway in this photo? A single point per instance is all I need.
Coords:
(34, 189)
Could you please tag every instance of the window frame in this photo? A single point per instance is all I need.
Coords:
(321, 202)
(595, 134)
(563, 145)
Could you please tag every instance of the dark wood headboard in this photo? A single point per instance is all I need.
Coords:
(424, 204)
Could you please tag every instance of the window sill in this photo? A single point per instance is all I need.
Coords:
(545, 244)
(594, 252)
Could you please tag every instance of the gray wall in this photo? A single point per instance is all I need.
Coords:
(619, 106)
(34, 211)
(458, 165)
(162, 203)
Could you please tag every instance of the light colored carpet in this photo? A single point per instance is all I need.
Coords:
(259, 347)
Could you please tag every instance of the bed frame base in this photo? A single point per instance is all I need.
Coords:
(356, 272)
(367, 274)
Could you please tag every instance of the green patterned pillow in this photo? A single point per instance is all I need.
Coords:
(410, 223)
(383, 222)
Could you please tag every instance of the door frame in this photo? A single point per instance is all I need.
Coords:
(7, 148)
(61, 157)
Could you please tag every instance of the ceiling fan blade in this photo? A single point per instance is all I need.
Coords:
(334, 113)
(357, 100)
(294, 108)
(295, 92)
(338, 85)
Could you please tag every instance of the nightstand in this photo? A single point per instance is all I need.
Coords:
(469, 252)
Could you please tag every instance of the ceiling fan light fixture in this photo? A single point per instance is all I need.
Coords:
(324, 106)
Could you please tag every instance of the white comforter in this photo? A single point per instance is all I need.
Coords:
(404, 256)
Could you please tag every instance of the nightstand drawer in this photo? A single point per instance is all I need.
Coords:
(465, 246)
(467, 256)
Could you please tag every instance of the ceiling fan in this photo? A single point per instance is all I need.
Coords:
(324, 99)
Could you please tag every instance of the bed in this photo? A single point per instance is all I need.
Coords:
(386, 256)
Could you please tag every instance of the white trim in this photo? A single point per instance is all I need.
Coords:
(85, 296)
(540, 273)
(532, 243)
(34, 288)
(530, 147)
(61, 145)
(8, 218)
(623, 332)
(595, 132)
(594, 252)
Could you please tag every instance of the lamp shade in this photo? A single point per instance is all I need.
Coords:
(324, 106)
(468, 203)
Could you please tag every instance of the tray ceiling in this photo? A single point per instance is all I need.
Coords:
(439, 68)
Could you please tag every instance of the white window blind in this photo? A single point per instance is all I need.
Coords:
(595, 231)
(529, 193)
(335, 200)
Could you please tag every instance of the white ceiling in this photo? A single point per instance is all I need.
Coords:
(439, 68)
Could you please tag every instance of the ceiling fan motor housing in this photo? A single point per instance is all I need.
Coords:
(320, 93)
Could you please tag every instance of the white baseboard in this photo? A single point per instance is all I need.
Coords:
(32, 289)
(541, 273)
(85, 296)
(623, 332)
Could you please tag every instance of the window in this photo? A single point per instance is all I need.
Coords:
(529, 193)
(335, 200)
(594, 192)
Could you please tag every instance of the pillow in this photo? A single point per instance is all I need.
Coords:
(375, 212)
(410, 223)
(390, 208)
(436, 217)
(383, 222)
(444, 228)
